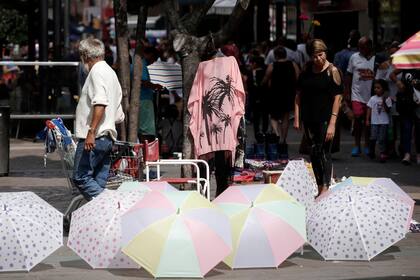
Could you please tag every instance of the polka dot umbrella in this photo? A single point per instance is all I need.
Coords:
(299, 183)
(357, 223)
(30, 230)
(95, 230)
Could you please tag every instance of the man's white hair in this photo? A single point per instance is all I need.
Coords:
(91, 48)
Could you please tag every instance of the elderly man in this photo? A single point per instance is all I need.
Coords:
(98, 111)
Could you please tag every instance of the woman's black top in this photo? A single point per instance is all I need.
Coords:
(283, 88)
(317, 92)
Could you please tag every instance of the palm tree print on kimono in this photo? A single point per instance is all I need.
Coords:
(212, 107)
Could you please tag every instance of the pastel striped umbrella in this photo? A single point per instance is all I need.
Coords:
(268, 225)
(408, 56)
(176, 234)
(152, 185)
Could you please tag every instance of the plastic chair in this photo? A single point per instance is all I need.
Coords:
(151, 158)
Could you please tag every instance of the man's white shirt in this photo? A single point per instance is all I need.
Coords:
(363, 75)
(101, 88)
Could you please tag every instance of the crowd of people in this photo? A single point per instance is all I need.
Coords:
(377, 98)
(359, 86)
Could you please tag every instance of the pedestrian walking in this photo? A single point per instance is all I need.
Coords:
(317, 104)
(384, 72)
(408, 107)
(147, 116)
(341, 59)
(258, 96)
(97, 112)
(360, 75)
(377, 118)
(281, 77)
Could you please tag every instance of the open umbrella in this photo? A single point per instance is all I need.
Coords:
(157, 186)
(386, 183)
(268, 225)
(299, 183)
(30, 230)
(357, 222)
(176, 234)
(95, 230)
(408, 56)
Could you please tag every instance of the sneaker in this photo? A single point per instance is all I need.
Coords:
(355, 152)
(406, 159)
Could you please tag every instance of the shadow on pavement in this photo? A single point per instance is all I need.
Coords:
(136, 273)
(80, 264)
(42, 267)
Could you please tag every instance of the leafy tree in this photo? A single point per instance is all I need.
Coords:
(13, 26)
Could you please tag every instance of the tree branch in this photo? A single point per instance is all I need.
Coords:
(172, 14)
(133, 124)
(193, 19)
(235, 19)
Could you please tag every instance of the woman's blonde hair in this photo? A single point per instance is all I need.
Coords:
(316, 46)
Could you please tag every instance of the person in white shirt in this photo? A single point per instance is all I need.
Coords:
(377, 118)
(361, 73)
(97, 112)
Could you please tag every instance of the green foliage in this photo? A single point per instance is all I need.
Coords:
(13, 26)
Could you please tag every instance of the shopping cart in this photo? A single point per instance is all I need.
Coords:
(126, 163)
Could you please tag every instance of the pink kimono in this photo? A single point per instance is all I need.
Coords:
(216, 105)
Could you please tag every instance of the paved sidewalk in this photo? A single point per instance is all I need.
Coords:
(401, 261)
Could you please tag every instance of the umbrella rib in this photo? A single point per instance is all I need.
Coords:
(106, 231)
(39, 224)
(360, 231)
(336, 226)
(384, 218)
(23, 251)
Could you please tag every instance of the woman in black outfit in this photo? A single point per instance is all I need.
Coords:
(317, 105)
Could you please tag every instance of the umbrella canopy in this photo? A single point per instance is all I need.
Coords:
(268, 225)
(386, 183)
(176, 234)
(408, 56)
(95, 230)
(357, 223)
(30, 230)
(166, 74)
(299, 183)
(157, 186)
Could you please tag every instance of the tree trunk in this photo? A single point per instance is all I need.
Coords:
(121, 30)
(133, 124)
(189, 68)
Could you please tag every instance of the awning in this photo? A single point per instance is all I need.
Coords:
(222, 7)
(150, 22)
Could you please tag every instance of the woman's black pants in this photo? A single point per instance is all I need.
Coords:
(315, 133)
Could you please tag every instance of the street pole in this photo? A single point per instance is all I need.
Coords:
(279, 19)
(43, 53)
(66, 26)
(298, 27)
(57, 29)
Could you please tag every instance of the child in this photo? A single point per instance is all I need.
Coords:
(378, 118)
